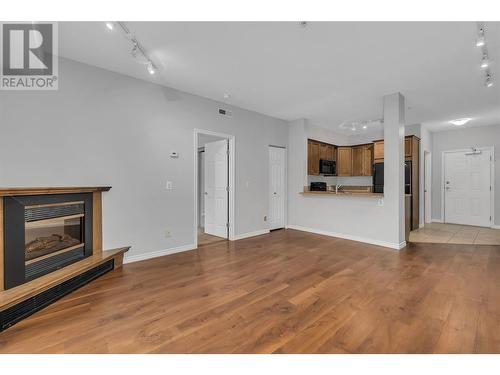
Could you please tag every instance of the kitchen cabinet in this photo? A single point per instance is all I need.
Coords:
(313, 157)
(378, 151)
(344, 161)
(362, 160)
(317, 151)
(408, 147)
(366, 169)
(357, 161)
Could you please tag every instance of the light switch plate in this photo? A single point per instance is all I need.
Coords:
(169, 185)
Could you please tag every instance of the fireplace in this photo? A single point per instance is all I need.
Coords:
(43, 233)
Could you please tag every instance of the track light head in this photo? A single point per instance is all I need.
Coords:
(151, 68)
(480, 41)
(485, 61)
(489, 81)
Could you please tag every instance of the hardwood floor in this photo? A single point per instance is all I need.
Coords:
(286, 292)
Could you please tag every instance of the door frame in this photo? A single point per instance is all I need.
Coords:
(492, 180)
(285, 213)
(427, 181)
(231, 182)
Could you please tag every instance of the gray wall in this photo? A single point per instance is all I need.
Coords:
(103, 128)
(460, 139)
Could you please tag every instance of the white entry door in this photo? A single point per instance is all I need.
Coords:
(216, 188)
(467, 180)
(276, 187)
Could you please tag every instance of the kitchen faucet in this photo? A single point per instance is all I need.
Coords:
(337, 187)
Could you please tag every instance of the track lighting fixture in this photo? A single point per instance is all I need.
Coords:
(137, 51)
(360, 125)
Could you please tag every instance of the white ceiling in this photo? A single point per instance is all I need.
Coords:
(327, 72)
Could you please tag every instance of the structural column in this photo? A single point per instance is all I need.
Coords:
(394, 133)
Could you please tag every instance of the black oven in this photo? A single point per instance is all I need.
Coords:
(327, 167)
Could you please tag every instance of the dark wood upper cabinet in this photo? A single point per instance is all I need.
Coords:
(344, 161)
(313, 152)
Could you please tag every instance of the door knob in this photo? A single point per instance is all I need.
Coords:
(274, 193)
(206, 193)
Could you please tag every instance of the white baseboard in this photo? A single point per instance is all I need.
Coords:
(250, 234)
(495, 226)
(397, 246)
(156, 254)
(436, 220)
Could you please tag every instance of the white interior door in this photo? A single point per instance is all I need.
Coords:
(467, 180)
(216, 188)
(276, 188)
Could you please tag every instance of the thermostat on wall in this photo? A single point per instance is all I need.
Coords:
(174, 154)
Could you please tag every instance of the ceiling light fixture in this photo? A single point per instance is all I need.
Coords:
(460, 121)
(485, 61)
(358, 125)
(110, 26)
(480, 41)
(489, 80)
(151, 68)
(138, 51)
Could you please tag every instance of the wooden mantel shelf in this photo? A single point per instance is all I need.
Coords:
(22, 292)
(5, 192)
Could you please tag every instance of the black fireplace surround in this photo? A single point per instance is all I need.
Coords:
(20, 211)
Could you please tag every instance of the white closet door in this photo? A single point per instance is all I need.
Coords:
(467, 188)
(276, 187)
(216, 184)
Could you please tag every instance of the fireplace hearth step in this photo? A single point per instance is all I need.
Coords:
(23, 309)
(14, 296)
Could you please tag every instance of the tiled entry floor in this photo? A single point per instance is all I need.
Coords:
(457, 234)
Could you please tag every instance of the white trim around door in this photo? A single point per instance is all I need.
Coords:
(491, 149)
(231, 181)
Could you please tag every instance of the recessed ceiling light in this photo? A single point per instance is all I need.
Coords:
(364, 126)
(110, 26)
(460, 121)
(226, 95)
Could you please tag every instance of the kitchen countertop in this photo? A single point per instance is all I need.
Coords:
(366, 194)
(349, 192)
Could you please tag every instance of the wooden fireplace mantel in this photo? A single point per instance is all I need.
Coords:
(9, 192)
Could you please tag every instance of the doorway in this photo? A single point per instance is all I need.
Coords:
(467, 187)
(277, 187)
(214, 197)
(467, 200)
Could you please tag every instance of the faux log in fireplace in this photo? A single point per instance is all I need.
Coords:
(50, 245)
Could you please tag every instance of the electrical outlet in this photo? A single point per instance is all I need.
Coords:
(265, 218)
(168, 233)
(169, 185)
(381, 201)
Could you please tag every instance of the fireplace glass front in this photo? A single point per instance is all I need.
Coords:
(47, 233)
